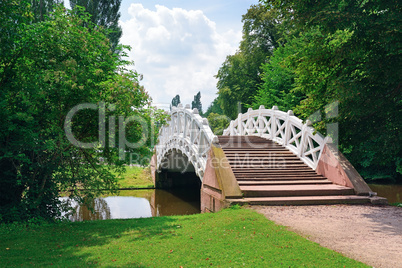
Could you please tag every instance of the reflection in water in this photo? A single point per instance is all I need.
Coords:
(175, 202)
(140, 204)
(99, 205)
(392, 192)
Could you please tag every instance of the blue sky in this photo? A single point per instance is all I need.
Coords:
(178, 46)
(225, 13)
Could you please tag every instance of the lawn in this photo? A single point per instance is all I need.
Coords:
(136, 177)
(230, 238)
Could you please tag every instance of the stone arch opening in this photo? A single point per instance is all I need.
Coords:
(177, 172)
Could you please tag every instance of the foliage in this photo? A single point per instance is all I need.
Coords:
(175, 101)
(229, 238)
(105, 13)
(196, 103)
(350, 53)
(218, 123)
(239, 76)
(278, 80)
(42, 8)
(339, 61)
(46, 69)
(214, 107)
(135, 177)
(396, 204)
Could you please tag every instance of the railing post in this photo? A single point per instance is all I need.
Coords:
(247, 130)
(231, 129)
(239, 125)
(192, 129)
(287, 128)
(203, 141)
(200, 143)
(179, 124)
(273, 122)
(260, 120)
(185, 126)
(169, 128)
(303, 141)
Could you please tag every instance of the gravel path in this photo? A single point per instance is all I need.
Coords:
(370, 234)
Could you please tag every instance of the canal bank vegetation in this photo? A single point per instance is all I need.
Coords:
(233, 237)
(136, 177)
(65, 92)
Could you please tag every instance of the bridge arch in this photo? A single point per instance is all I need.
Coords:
(188, 133)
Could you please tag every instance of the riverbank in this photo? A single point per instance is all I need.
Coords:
(370, 234)
(229, 238)
(136, 178)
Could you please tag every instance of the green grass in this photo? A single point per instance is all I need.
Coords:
(230, 238)
(136, 177)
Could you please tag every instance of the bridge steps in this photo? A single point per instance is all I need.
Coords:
(277, 182)
(294, 190)
(302, 200)
(269, 174)
(281, 178)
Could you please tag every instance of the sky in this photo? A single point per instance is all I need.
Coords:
(178, 46)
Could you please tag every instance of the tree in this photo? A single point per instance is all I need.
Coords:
(278, 79)
(175, 101)
(218, 123)
(42, 8)
(350, 53)
(235, 85)
(239, 76)
(42, 79)
(196, 103)
(214, 107)
(105, 13)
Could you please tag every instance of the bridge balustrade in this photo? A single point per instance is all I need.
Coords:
(188, 133)
(283, 128)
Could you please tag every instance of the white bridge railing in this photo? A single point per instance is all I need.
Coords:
(283, 128)
(188, 133)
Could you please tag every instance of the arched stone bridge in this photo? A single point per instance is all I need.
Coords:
(265, 156)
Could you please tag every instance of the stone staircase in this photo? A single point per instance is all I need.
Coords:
(269, 174)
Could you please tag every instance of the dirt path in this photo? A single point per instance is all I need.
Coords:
(370, 234)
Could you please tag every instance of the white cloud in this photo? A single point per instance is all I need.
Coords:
(178, 51)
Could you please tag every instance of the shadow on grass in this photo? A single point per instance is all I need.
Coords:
(82, 244)
(229, 238)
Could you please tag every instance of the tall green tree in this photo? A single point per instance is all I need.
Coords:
(46, 69)
(351, 53)
(214, 107)
(196, 103)
(42, 8)
(278, 80)
(105, 13)
(175, 101)
(239, 76)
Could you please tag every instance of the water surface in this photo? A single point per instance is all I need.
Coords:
(140, 204)
(393, 192)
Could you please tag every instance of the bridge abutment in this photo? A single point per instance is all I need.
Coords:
(219, 183)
